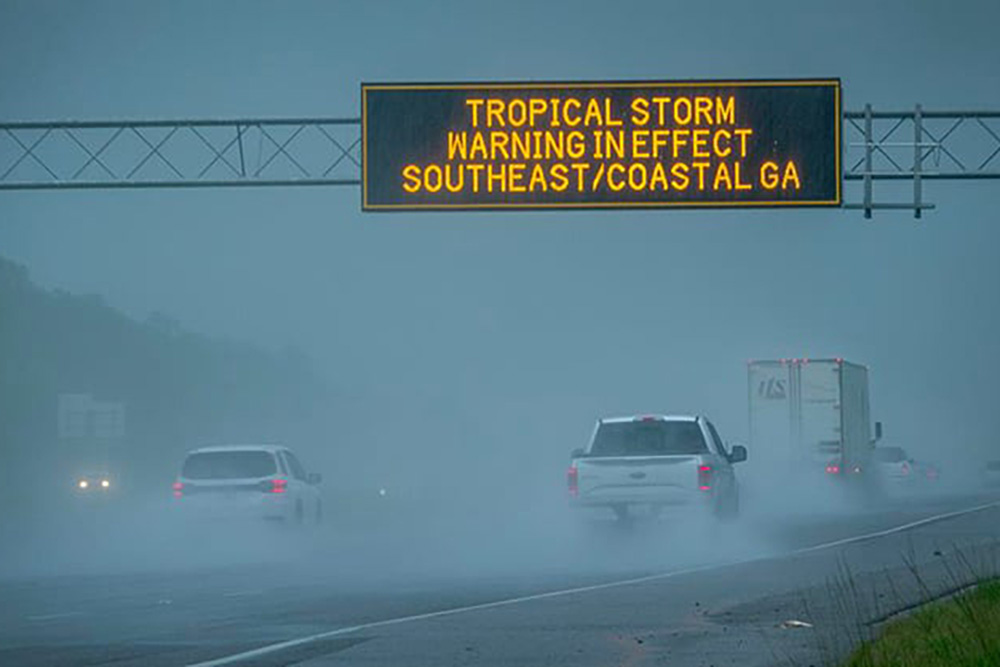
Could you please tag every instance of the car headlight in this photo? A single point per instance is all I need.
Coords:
(105, 484)
(83, 484)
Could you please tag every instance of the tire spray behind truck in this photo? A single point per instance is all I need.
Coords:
(810, 424)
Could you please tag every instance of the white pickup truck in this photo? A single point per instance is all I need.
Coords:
(655, 461)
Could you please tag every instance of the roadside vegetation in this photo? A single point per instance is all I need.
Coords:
(962, 631)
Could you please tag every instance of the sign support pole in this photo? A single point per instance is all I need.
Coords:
(869, 143)
(918, 158)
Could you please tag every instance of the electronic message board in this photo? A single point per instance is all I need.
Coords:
(600, 145)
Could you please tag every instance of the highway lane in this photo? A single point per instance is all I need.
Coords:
(717, 596)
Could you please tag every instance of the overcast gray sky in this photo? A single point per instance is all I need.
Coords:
(524, 324)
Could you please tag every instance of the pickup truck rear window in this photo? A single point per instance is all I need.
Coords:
(229, 465)
(648, 438)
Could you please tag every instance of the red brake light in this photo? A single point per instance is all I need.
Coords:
(906, 468)
(833, 469)
(178, 488)
(704, 478)
(572, 480)
(279, 485)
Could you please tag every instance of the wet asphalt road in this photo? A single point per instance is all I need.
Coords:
(657, 593)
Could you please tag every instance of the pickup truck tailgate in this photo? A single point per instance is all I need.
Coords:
(662, 479)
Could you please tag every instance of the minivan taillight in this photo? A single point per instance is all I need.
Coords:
(273, 486)
(573, 480)
(704, 478)
(178, 488)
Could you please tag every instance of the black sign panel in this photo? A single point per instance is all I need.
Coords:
(601, 145)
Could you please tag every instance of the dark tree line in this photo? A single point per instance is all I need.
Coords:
(180, 389)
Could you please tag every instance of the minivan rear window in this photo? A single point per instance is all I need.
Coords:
(648, 438)
(229, 465)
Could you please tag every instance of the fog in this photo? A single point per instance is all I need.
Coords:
(378, 540)
(462, 356)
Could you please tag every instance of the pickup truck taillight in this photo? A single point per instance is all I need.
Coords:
(572, 480)
(704, 478)
(178, 488)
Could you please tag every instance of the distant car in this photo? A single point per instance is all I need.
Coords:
(655, 462)
(928, 471)
(94, 483)
(897, 468)
(991, 473)
(248, 481)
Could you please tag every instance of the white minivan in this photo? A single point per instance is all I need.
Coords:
(248, 481)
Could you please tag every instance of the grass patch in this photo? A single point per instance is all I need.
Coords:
(963, 631)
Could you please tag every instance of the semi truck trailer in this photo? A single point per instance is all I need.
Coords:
(812, 414)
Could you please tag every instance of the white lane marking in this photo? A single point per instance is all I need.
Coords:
(273, 648)
(52, 617)
(293, 643)
(240, 594)
(895, 529)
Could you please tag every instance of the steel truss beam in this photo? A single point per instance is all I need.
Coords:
(180, 153)
(911, 146)
(916, 146)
